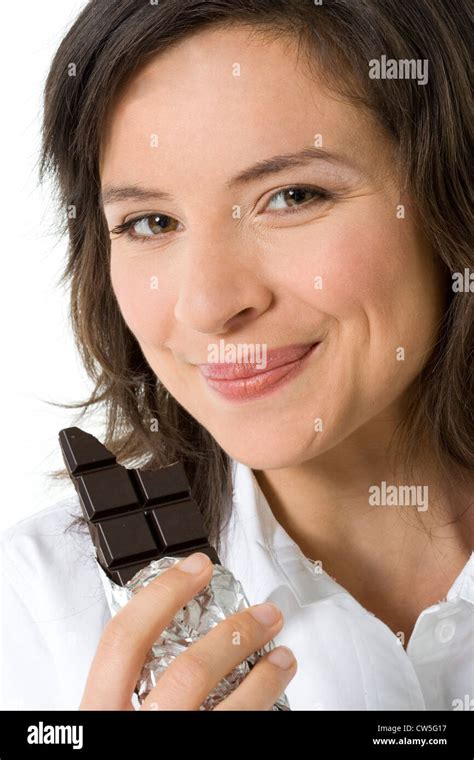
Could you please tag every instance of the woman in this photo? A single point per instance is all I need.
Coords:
(285, 185)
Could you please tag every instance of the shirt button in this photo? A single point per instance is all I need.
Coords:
(445, 630)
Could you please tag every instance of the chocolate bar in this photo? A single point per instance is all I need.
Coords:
(134, 515)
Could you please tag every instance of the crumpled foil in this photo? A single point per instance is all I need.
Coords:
(222, 597)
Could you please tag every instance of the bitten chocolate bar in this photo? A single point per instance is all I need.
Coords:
(138, 515)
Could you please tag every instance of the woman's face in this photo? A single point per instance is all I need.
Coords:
(252, 262)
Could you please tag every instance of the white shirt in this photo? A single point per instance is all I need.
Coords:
(54, 610)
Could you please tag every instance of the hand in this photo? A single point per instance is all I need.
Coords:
(130, 634)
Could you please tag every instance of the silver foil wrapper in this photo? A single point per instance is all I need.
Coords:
(221, 598)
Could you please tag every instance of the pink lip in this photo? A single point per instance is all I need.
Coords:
(242, 382)
(275, 357)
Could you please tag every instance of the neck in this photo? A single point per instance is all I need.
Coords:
(324, 505)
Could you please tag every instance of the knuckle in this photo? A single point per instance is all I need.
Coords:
(113, 636)
(161, 587)
(273, 677)
(170, 586)
(241, 626)
(188, 671)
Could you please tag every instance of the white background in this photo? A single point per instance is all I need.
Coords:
(39, 360)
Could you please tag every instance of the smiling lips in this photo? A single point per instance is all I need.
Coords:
(242, 381)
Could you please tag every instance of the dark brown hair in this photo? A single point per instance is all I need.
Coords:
(430, 124)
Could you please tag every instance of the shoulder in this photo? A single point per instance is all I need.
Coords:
(53, 606)
(54, 514)
(49, 560)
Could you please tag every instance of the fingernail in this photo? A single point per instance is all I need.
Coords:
(195, 563)
(282, 657)
(266, 613)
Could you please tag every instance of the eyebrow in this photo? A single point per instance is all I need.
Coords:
(267, 166)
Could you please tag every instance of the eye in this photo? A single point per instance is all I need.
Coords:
(147, 227)
(298, 196)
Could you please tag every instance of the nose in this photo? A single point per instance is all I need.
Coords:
(219, 289)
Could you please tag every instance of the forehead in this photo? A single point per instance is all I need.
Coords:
(223, 95)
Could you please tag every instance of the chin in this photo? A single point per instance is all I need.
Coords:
(274, 454)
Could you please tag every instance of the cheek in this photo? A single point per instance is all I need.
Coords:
(360, 270)
(339, 269)
(142, 298)
(368, 271)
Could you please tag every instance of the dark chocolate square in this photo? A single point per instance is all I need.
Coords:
(164, 485)
(179, 524)
(107, 492)
(126, 539)
(83, 452)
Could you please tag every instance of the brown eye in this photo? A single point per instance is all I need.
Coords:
(296, 196)
(155, 224)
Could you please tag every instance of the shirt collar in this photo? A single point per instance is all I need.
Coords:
(255, 515)
(308, 582)
(463, 586)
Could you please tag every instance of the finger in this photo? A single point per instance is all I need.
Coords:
(265, 683)
(130, 634)
(193, 674)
